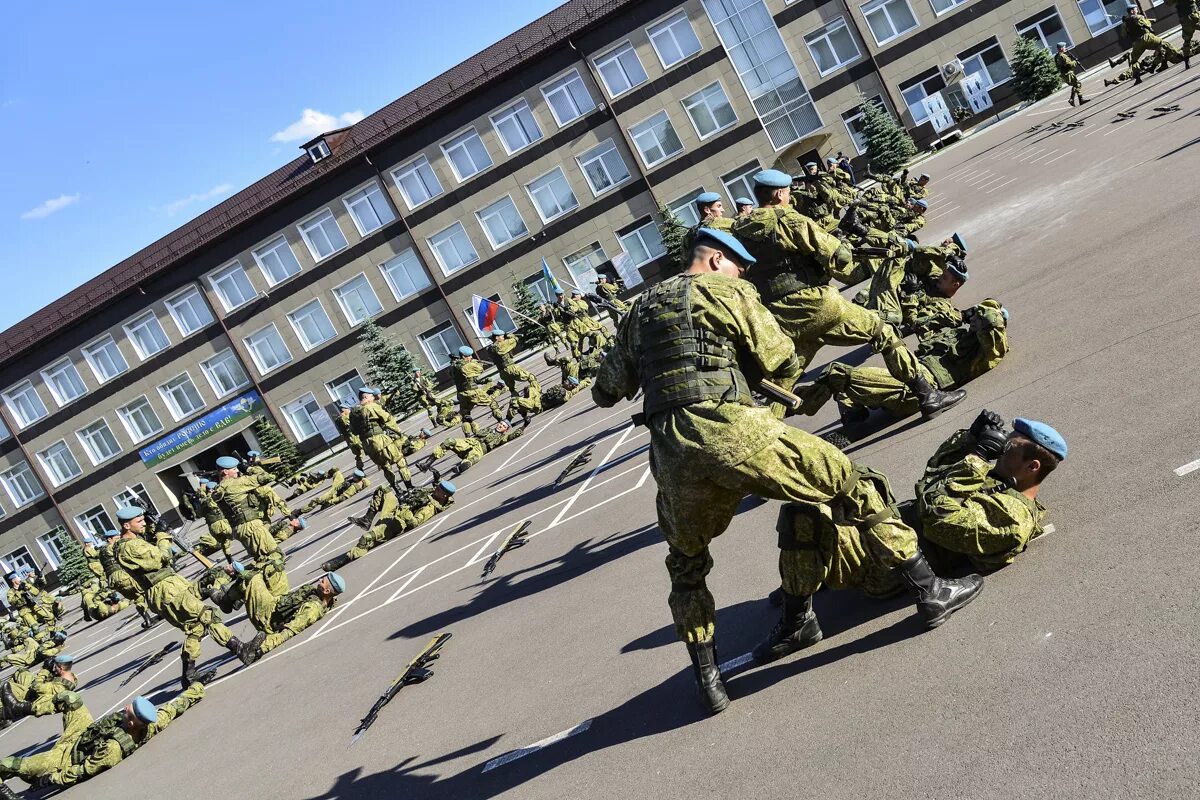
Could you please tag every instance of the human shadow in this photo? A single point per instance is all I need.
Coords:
(336, 530)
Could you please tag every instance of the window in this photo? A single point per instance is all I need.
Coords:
(4, 434)
(914, 92)
(504, 320)
(620, 69)
(105, 359)
(358, 299)
(603, 167)
(25, 403)
(685, 209)
(369, 209)
(552, 195)
(20, 559)
(135, 496)
(189, 311)
(655, 139)
(673, 39)
(318, 151)
(64, 382)
(568, 98)
(1100, 15)
(439, 343)
(307, 419)
(583, 265)
(59, 463)
(502, 222)
(267, 349)
(95, 521)
(516, 127)
(233, 286)
(322, 235)
(467, 154)
(888, 19)
(225, 373)
(98, 441)
(21, 484)
(709, 110)
(140, 420)
(453, 248)
(986, 60)
(942, 6)
(854, 124)
(346, 387)
(53, 543)
(832, 46)
(765, 68)
(276, 260)
(181, 396)
(404, 274)
(311, 324)
(643, 244)
(417, 182)
(740, 183)
(147, 335)
(540, 287)
(1046, 27)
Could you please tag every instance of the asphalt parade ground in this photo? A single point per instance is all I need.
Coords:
(1073, 675)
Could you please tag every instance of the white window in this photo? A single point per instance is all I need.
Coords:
(417, 182)
(105, 358)
(620, 69)
(53, 543)
(147, 335)
(276, 260)
(1046, 28)
(552, 195)
(322, 235)
(64, 382)
(4, 433)
(467, 154)
(516, 127)
(439, 343)
(404, 274)
(1100, 15)
(643, 244)
(942, 6)
(369, 209)
(986, 60)
(307, 419)
(21, 484)
(709, 110)
(502, 222)
(233, 286)
(140, 420)
(854, 124)
(19, 560)
(914, 93)
(98, 441)
(888, 19)
(582, 266)
(318, 151)
(685, 208)
(655, 139)
(568, 98)
(59, 463)
(540, 287)
(95, 521)
(765, 68)
(358, 299)
(453, 248)
(225, 373)
(674, 39)
(181, 396)
(504, 320)
(312, 324)
(25, 403)
(135, 496)
(267, 349)
(603, 167)
(346, 387)
(189, 311)
(740, 183)
(832, 46)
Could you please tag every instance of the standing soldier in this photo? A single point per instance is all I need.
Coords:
(607, 291)
(501, 349)
(220, 532)
(342, 423)
(472, 390)
(245, 501)
(380, 435)
(1189, 20)
(425, 391)
(1066, 70)
(744, 206)
(119, 579)
(1140, 29)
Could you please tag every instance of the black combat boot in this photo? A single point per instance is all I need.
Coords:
(192, 675)
(147, 622)
(14, 709)
(365, 520)
(248, 651)
(852, 415)
(336, 563)
(87, 616)
(1082, 100)
(459, 469)
(937, 598)
(708, 676)
(797, 629)
(934, 401)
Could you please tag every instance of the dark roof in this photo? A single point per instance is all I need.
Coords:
(511, 52)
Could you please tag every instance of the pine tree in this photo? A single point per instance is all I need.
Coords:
(272, 442)
(674, 233)
(1034, 73)
(73, 568)
(389, 368)
(526, 303)
(889, 147)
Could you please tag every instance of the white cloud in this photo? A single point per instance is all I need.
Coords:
(312, 123)
(175, 206)
(51, 206)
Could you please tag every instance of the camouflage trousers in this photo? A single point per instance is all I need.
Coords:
(385, 453)
(255, 536)
(467, 402)
(1165, 51)
(178, 602)
(863, 387)
(219, 536)
(76, 719)
(261, 598)
(308, 613)
(513, 375)
(394, 520)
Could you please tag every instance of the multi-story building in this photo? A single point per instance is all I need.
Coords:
(560, 142)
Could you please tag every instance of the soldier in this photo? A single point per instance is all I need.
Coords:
(797, 260)
(1189, 20)
(684, 347)
(245, 501)
(219, 535)
(502, 348)
(37, 646)
(589, 334)
(816, 199)
(119, 579)
(1066, 70)
(470, 449)
(20, 597)
(711, 211)
(287, 616)
(396, 515)
(744, 206)
(282, 530)
(342, 423)
(1140, 29)
(27, 694)
(424, 389)
(380, 436)
(472, 390)
(525, 403)
(568, 366)
(607, 291)
(341, 491)
(558, 395)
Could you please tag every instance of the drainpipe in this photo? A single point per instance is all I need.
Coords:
(887, 91)
(274, 415)
(33, 464)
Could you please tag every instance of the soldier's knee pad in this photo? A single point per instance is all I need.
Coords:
(800, 527)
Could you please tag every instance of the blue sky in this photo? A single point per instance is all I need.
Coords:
(121, 121)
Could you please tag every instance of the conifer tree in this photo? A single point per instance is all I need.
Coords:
(889, 147)
(1034, 73)
(73, 569)
(674, 233)
(526, 303)
(389, 368)
(272, 442)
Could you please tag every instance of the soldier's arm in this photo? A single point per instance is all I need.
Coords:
(618, 376)
(138, 554)
(106, 758)
(167, 712)
(956, 448)
(825, 248)
(958, 515)
(738, 312)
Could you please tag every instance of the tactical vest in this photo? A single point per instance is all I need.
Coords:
(462, 382)
(145, 580)
(780, 270)
(93, 739)
(286, 606)
(680, 363)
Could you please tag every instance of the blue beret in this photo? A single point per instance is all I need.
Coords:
(368, 390)
(426, 432)
(571, 379)
(238, 567)
(336, 581)
(253, 454)
(911, 245)
(211, 484)
(358, 473)
(705, 198)
(129, 513)
(87, 537)
(144, 710)
(1004, 313)
(228, 462)
(742, 201)
(465, 351)
(303, 522)
(344, 406)
(957, 270)
(830, 160)
(921, 204)
(811, 164)
(448, 487)
(59, 636)
(1061, 44)
(960, 241)
(727, 241)
(558, 290)
(63, 658)
(1043, 434)
(773, 179)
(111, 533)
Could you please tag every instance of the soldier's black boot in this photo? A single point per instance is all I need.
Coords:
(14, 709)
(248, 651)
(937, 598)
(934, 401)
(1082, 100)
(7, 793)
(426, 463)
(797, 629)
(336, 563)
(364, 521)
(708, 676)
(852, 415)
(192, 675)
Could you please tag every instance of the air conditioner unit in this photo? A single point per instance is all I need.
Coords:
(952, 70)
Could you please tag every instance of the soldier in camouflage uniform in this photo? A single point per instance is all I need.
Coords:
(817, 199)
(525, 403)
(472, 389)
(381, 436)
(685, 345)
(425, 390)
(245, 501)
(342, 423)
(470, 449)
(1140, 29)
(502, 348)
(340, 491)
(589, 334)
(608, 292)
(37, 646)
(119, 579)
(396, 515)
(1067, 66)
(567, 365)
(219, 535)
(556, 396)
(283, 529)
(29, 694)
(896, 284)
(1189, 20)
(710, 211)
(287, 616)
(253, 466)
(20, 597)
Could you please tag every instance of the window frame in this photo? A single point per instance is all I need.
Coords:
(823, 32)
(465, 135)
(365, 190)
(915, 84)
(84, 441)
(587, 251)
(688, 202)
(44, 459)
(134, 436)
(979, 53)
(341, 301)
(89, 357)
(82, 528)
(882, 4)
(265, 246)
(53, 370)
(307, 221)
(582, 160)
(536, 207)
(390, 281)
(214, 276)
(191, 289)
(296, 329)
(421, 340)
(621, 239)
(218, 392)
(565, 80)
(413, 165)
(687, 112)
(51, 547)
(1042, 16)
(613, 54)
(513, 110)
(637, 145)
(487, 233)
(743, 173)
(254, 353)
(353, 396)
(437, 256)
(666, 24)
(177, 413)
(6, 479)
(136, 323)
(20, 418)
(846, 120)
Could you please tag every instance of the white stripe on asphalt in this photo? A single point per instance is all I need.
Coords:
(1056, 158)
(734, 663)
(1043, 155)
(1191, 466)
(1119, 127)
(1001, 186)
(536, 746)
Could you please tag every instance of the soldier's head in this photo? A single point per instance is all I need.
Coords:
(344, 408)
(466, 353)
(111, 536)
(359, 475)
(132, 520)
(772, 188)
(228, 467)
(297, 523)
(952, 278)
(330, 585)
(367, 395)
(252, 456)
(61, 666)
(709, 205)
(14, 580)
(718, 251)
(918, 206)
(1031, 453)
(922, 179)
(1133, 10)
(744, 206)
(444, 492)
(424, 433)
(137, 716)
(502, 427)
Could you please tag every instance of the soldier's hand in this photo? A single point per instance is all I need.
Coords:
(986, 419)
(990, 443)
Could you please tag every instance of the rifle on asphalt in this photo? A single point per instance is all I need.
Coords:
(151, 661)
(415, 672)
(576, 462)
(518, 538)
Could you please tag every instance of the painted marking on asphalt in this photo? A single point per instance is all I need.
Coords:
(513, 755)
(1191, 466)
(406, 583)
(734, 663)
(1001, 186)
(1116, 128)
(1056, 158)
(981, 177)
(584, 486)
(529, 441)
(1043, 155)
(1029, 154)
(1046, 531)
(996, 179)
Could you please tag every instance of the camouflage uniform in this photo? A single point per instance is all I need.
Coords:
(381, 438)
(342, 423)
(282, 617)
(220, 533)
(1066, 70)
(76, 719)
(1141, 30)
(1189, 20)
(510, 373)
(527, 403)
(397, 515)
(341, 491)
(244, 503)
(614, 306)
(472, 391)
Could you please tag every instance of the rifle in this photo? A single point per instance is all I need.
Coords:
(414, 672)
(576, 462)
(150, 662)
(872, 252)
(518, 538)
(780, 395)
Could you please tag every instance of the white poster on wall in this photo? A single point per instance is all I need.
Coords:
(623, 264)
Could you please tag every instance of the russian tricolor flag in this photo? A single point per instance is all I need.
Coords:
(485, 313)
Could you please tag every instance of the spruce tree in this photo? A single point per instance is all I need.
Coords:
(526, 303)
(73, 569)
(674, 235)
(272, 442)
(889, 147)
(389, 368)
(1034, 73)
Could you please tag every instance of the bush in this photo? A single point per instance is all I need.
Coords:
(1034, 73)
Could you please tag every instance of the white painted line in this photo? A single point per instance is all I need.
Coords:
(404, 586)
(1046, 531)
(1191, 466)
(1043, 155)
(536, 746)
(983, 176)
(989, 183)
(1125, 124)
(734, 663)
(1056, 158)
(528, 441)
(584, 486)
(482, 548)
(1001, 186)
